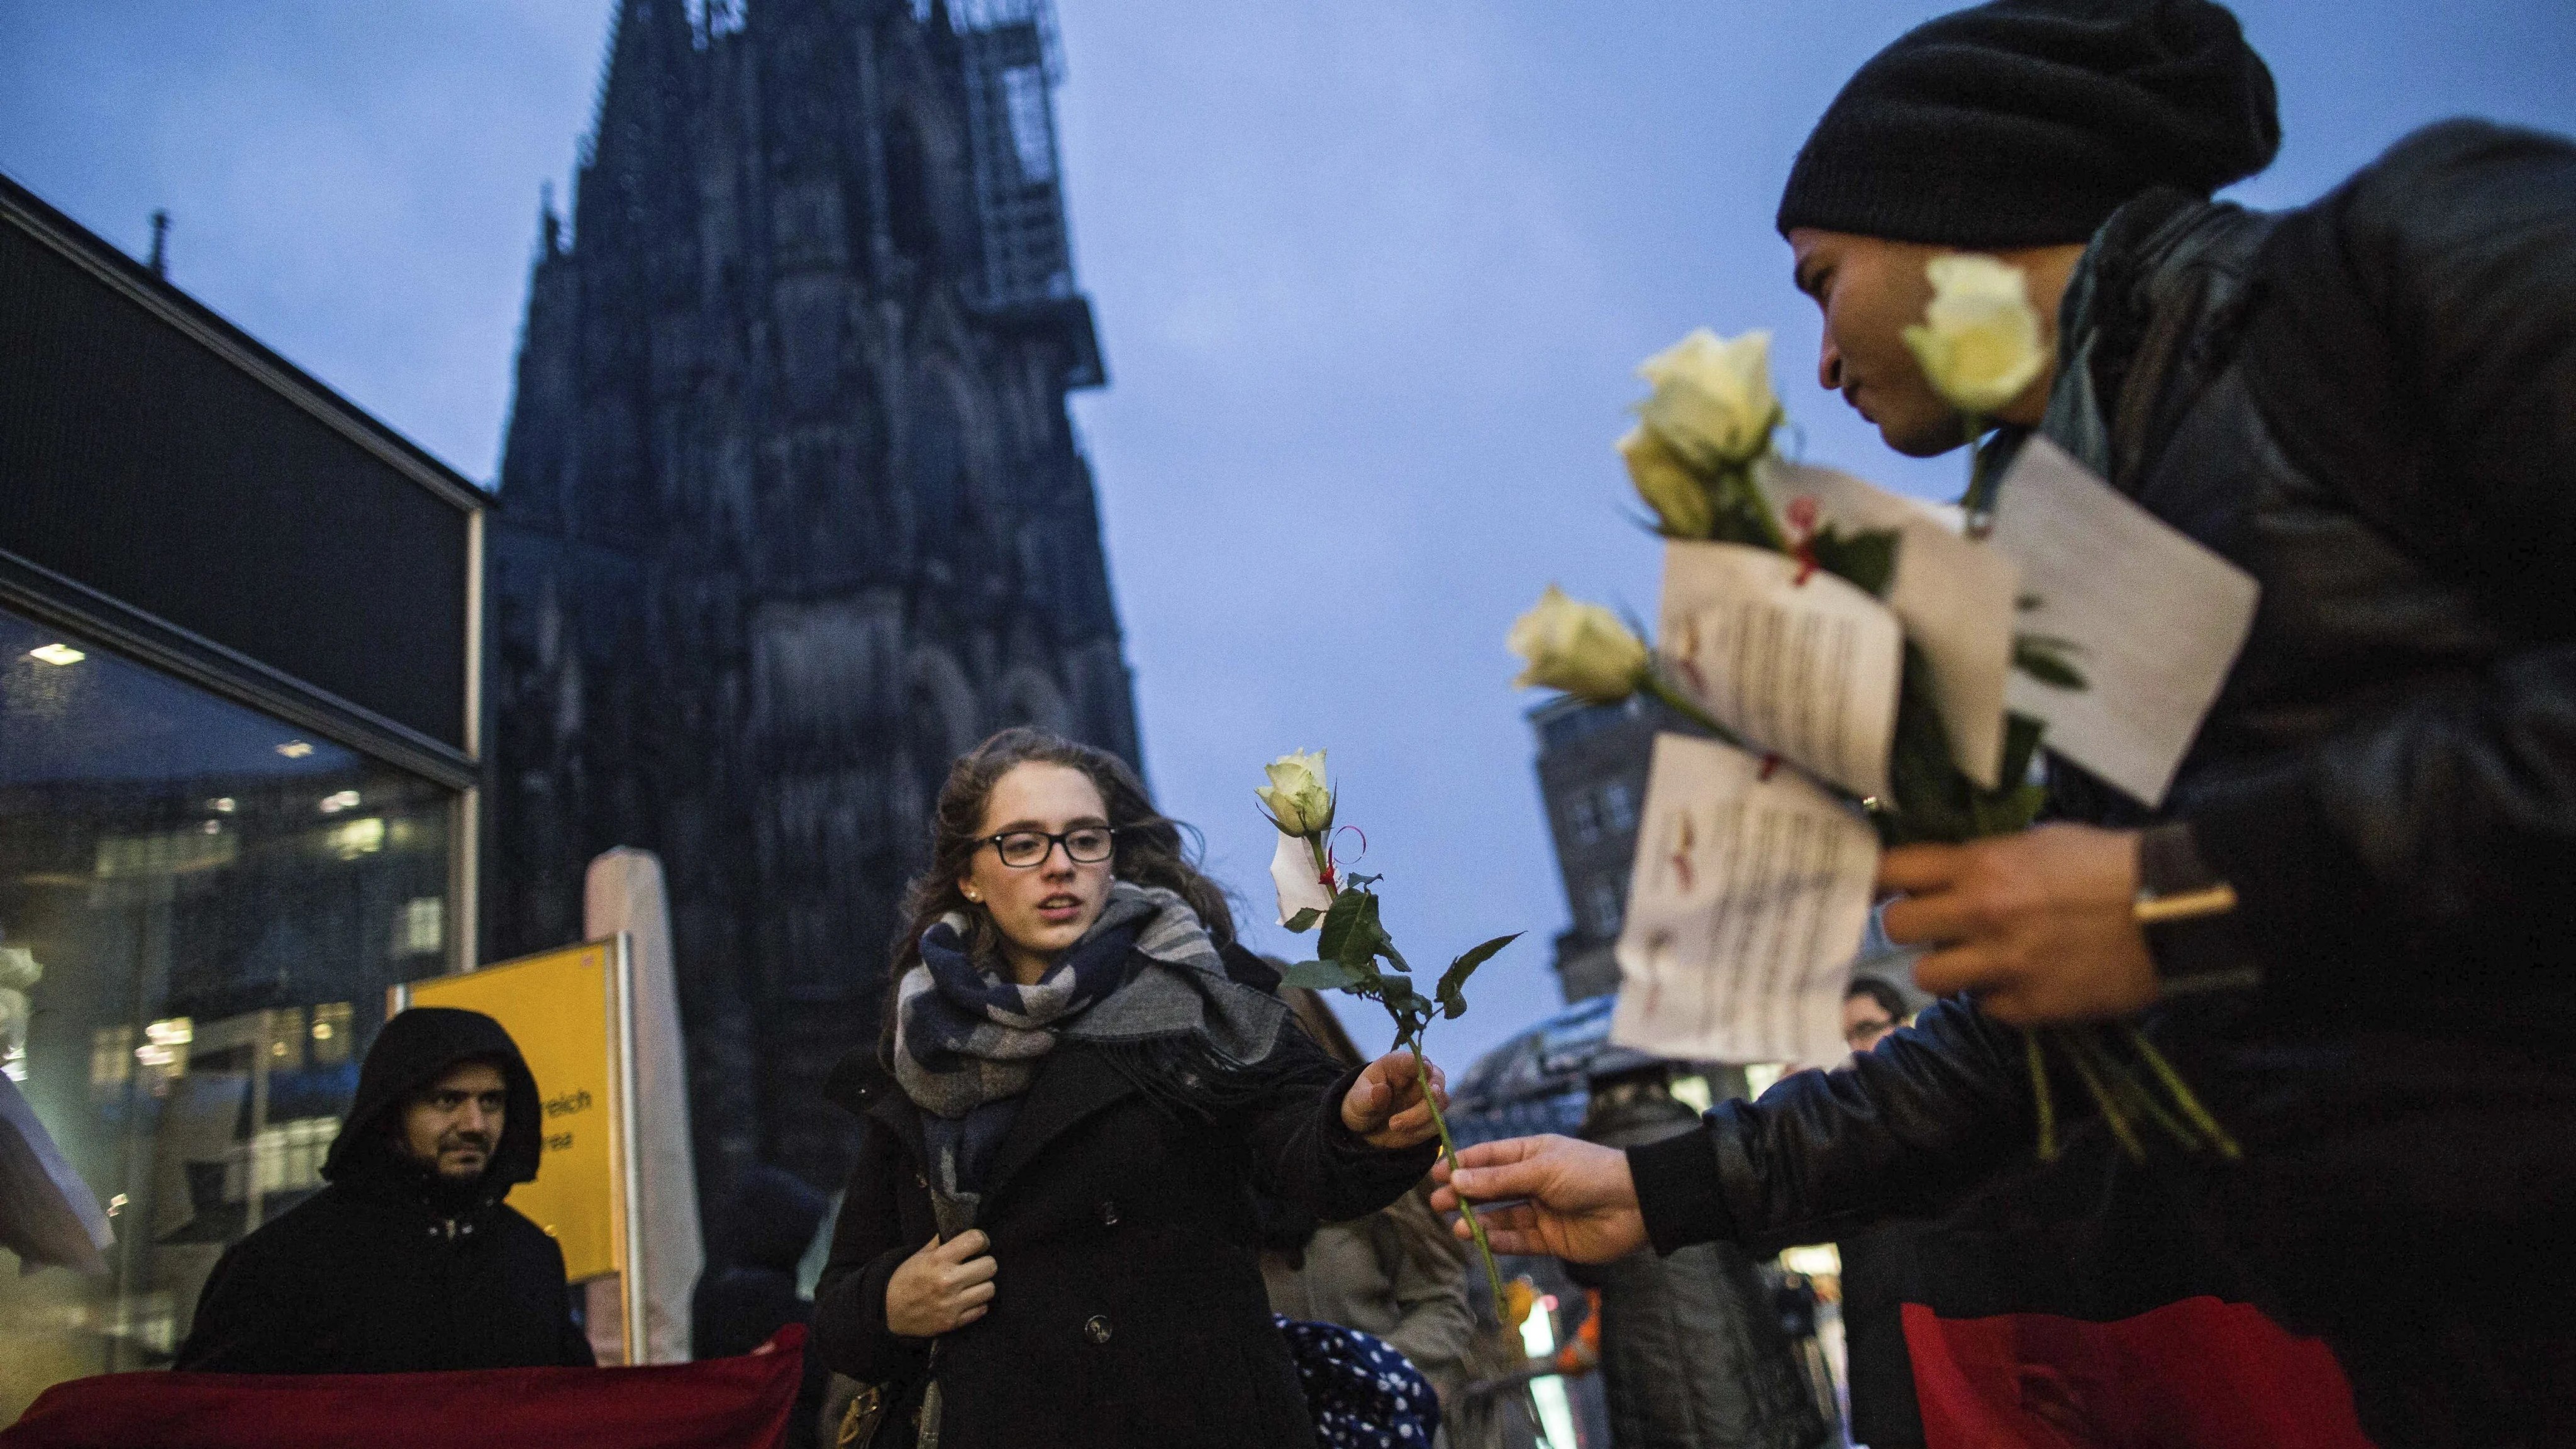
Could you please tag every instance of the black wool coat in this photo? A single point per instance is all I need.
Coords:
(359, 1281)
(1129, 1307)
(387, 1270)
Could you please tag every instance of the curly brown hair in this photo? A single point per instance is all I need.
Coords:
(1152, 849)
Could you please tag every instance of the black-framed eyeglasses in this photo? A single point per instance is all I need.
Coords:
(1861, 1031)
(1025, 849)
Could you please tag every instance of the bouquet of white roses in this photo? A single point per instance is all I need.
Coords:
(1696, 457)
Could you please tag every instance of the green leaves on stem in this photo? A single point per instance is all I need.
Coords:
(1350, 948)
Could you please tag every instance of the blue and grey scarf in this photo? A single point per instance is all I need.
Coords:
(1144, 982)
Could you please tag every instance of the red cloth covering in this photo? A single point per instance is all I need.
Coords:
(737, 1403)
(2195, 1374)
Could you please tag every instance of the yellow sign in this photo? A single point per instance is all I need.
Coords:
(569, 1011)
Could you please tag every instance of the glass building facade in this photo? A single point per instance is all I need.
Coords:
(237, 771)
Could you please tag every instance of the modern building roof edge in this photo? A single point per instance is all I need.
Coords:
(210, 329)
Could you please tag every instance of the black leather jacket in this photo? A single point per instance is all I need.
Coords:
(2370, 405)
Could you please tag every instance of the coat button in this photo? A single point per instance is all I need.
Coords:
(1108, 1213)
(1096, 1328)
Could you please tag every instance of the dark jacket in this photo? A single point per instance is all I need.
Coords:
(1129, 1307)
(2369, 404)
(741, 1301)
(388, 1270)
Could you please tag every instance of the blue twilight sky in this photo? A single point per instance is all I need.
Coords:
(1371, 278)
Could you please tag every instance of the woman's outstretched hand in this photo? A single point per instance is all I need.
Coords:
(1581, 1202)
(942, 1286)
(1385, 1105)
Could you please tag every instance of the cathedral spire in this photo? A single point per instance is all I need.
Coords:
(640, 120)
(549, 225)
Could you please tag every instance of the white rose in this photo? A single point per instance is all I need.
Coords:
(1298, 800)
(1580, 648)
(1300, 882)
(1679, 499)
(1979, 341)
(1712, 403)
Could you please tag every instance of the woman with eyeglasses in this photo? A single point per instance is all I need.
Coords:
(1048, 1234)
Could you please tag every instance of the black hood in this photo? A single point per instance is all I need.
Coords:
(414, 1048)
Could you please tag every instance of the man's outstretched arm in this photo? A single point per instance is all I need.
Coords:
(1904, 1128)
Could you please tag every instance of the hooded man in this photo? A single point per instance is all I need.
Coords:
(2357, 883)
(408, 1261)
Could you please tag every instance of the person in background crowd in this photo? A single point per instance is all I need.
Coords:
(766, 1229)
(1871, 1009)
(1694, 1353)
(1048, 1234)
(1876, 1269)
(2369, 405)
(1395, 1274)
(409, 1260)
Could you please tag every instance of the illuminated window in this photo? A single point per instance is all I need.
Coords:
(356, 838)
(1618, 806)
(421, 930)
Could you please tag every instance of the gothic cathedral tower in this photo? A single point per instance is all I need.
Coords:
(792, 511)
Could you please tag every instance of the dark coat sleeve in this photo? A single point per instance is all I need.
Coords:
(2419, 360)
(1902, 1129)
(868, 1244)
(1302, 1152)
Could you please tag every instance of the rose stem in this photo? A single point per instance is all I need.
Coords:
(2039, 1093)
(2125, 1083)
(1449, 1149)
(2184, 1097)
(1683, 705)
(1760, 507)
(2110, 1108)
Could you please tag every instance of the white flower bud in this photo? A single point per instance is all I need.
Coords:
(1979, 342)
(1299, 802)
(1712, 403)
(1679, 499)
(1580, 648)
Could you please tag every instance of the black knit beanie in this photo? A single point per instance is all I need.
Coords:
(2028, 122)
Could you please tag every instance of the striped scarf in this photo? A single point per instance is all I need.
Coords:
(1144, 982)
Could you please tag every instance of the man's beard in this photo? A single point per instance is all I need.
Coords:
(478, 1144)
(451, 1191)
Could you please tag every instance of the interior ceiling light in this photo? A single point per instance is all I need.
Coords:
(221, 805)
(295, 749)
(344, 800)
(57, 654)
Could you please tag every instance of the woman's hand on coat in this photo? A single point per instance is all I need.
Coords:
(1385, 1107)
(943, 1286)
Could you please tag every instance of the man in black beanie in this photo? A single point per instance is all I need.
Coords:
(2013, 129)
(2358, 881)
